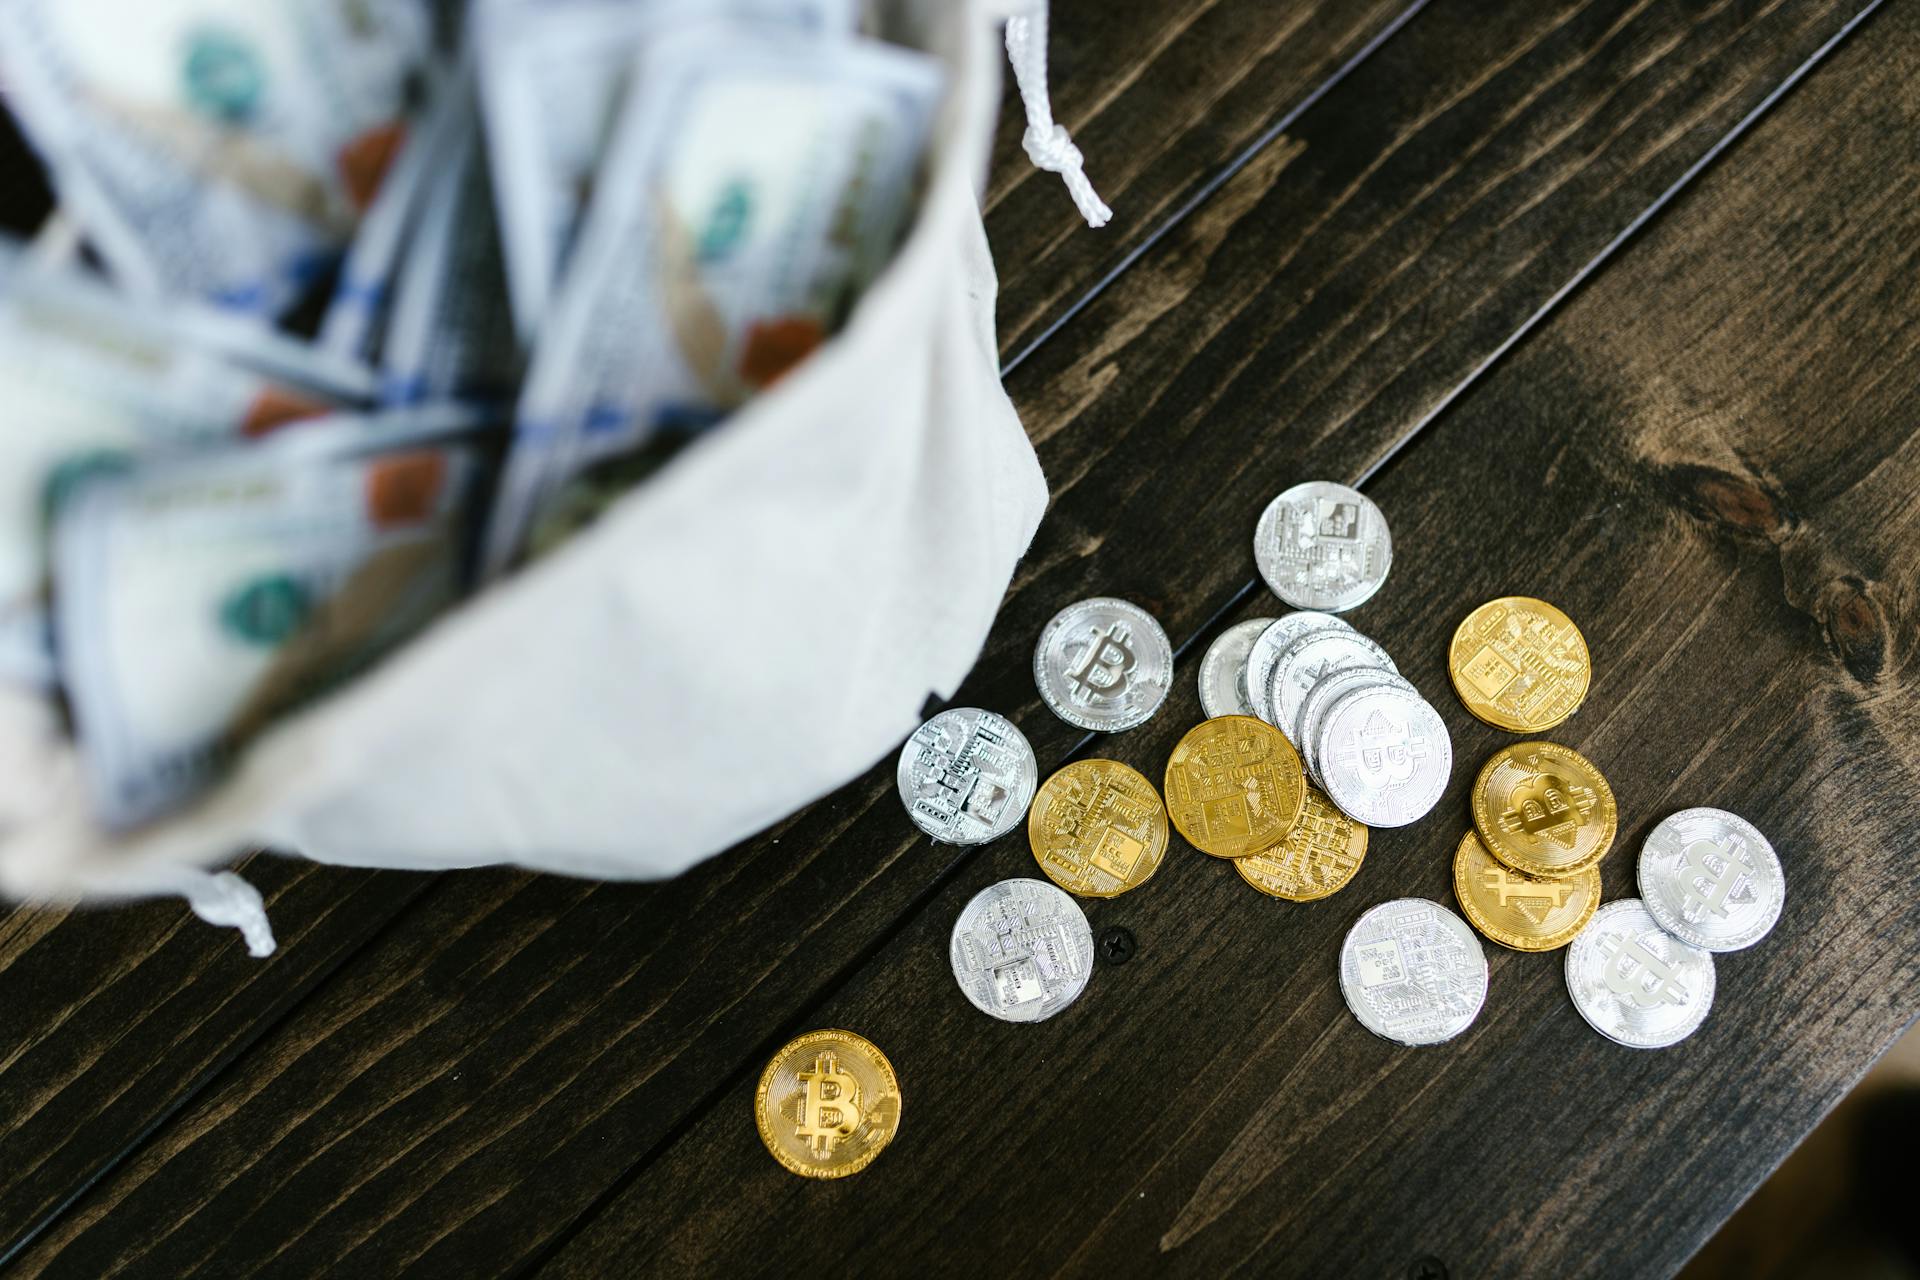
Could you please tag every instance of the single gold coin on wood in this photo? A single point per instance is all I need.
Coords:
(1544, 809)
(828, 1103)
(1097, 828)
(1526, 913)
(1234, 786)
(1520, 664)
(1317, 858)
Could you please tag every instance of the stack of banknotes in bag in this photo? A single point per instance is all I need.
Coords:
(348, 306)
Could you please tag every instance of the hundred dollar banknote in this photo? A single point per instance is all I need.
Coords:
(92, 381)
(220, 149)
(554, 73)
(199, 598)
(756, 181)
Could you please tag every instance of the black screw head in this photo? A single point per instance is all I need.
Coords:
(1116, 944)
(1427, 1268)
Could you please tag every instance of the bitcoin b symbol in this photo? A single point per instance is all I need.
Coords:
(830, 1108)
(1651, 984)
(1105, 667)
(1719, 883)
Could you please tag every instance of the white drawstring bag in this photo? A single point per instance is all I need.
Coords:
(755, 625)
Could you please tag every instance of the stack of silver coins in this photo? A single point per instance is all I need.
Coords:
(1364, 733)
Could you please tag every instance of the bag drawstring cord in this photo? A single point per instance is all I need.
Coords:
(1046, 142)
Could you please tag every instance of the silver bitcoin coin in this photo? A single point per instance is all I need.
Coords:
(1310, 657)
(1709, 878)
(1635, 983)
(1223, 672)
(967, 776)
(1274, 641)
(1103, 664)
(1321, 545)
(1384, 755)
(1022, 950)
(1413, 972)
(1325, 692)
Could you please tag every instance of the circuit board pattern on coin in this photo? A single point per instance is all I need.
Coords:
(1234, 786)
(1021, 950)
(1516, 910)
(827, 1104)
(1412, 972)
(1544, 809)
(1098, 828)
(967, 776)
(1710, 878)
(1322, 545)
(1318, 858)
(1519, 664)
(1634, 982)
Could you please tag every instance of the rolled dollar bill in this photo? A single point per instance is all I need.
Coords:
(220, 149)
(756, 181)
(553, 75)
(200, 597)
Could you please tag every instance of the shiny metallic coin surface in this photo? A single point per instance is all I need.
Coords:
(1103, 664)
(1413, 972)
(1321, 545)
(1384, 755)
(1021, 950)
(1519, 664)
(1274, 641)
(1635, 983)
(1526, 913)
(1312, 656)
(1234, 786)
(1544, 809)
(1098, 828)
(1319, 857)
(1708, 877)
(827, 1104)
(1223, 672)
(967, 776)
(1325, 692)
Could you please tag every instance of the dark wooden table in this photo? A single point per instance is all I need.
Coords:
(1611, 302)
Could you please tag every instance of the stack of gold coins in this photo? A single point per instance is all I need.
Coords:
(1527, 875)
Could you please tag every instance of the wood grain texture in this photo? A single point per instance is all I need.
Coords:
(117, 1016)
(1163, 100)
(512, 1048)
(1708, 458)
(113, 1016)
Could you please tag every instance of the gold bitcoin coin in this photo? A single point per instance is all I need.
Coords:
(1527, 913)
(1317, 858)
(1097, 828)
(1234, 786)
(828, 1104)
(1520, 664)
(1544, 809)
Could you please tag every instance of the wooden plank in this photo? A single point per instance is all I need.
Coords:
(574, 1029)
(113, 1017)
(86, 1082)
(1165, 101)
(1708, 458)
